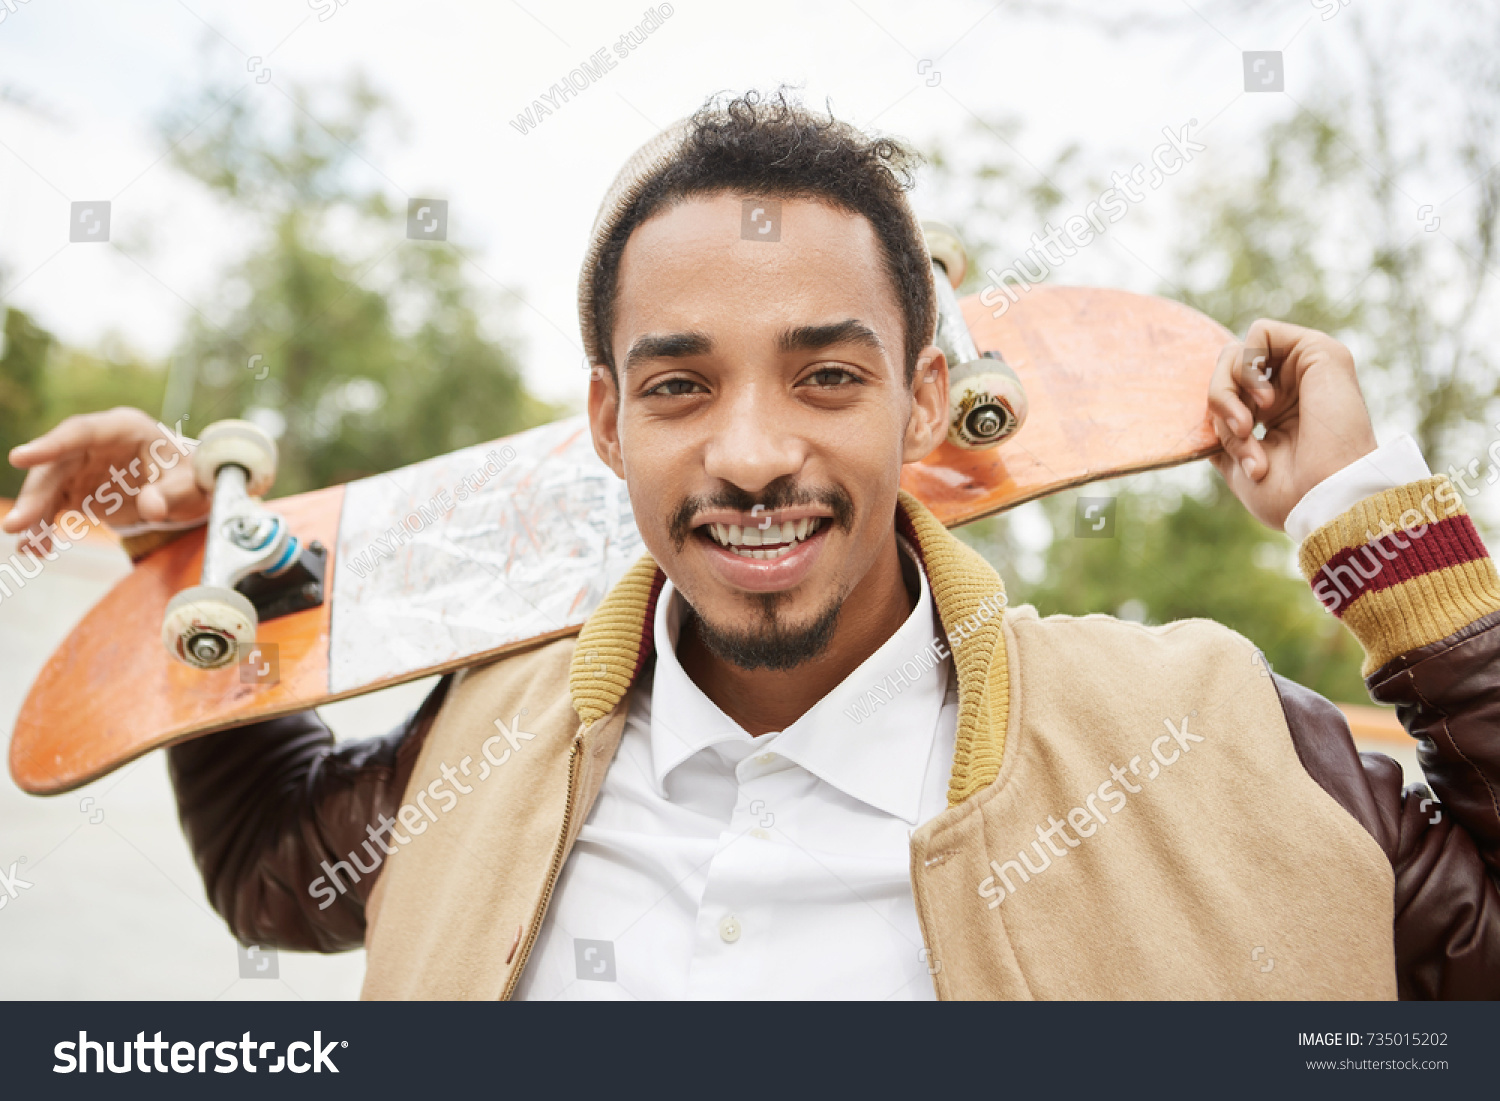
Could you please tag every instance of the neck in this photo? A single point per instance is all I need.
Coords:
(766, 700)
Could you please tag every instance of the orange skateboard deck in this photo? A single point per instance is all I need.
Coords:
(466, 557)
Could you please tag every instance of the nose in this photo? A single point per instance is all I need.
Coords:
(755, 440)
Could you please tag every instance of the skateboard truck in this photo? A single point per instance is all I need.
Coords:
(254, 568)
(986, 402)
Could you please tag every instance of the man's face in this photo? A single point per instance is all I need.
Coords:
(762, 416)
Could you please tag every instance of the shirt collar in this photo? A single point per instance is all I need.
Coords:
(871, 737)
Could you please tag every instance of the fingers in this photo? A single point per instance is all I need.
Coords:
(74, 465)
(40, 497)
(1233, 421)
(174, 496)
(71, 435)
(1228, 469)
(1247, 453)
(1285, 348)
(118, 427)
(1225, 401)
(1278, 337)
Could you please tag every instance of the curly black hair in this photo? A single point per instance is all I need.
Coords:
(773, 147)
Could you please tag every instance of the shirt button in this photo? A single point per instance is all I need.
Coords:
(729, 928)
(760, 833)
(765, 758)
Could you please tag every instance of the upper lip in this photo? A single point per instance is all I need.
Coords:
(765, 518)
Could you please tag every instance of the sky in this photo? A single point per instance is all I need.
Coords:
(84, 84)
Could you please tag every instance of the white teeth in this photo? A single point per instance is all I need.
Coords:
(772, 541)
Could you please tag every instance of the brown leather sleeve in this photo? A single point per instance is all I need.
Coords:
(264, 806)
(1444, 851)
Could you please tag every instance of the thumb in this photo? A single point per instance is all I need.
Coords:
(174, 497)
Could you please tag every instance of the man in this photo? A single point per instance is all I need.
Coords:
(683, 801)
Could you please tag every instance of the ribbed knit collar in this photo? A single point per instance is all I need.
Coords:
(616, 641)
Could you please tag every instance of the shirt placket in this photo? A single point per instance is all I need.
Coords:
(734, 939)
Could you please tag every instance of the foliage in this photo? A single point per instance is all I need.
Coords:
(362, 350)
(1323, 234)
(371, 353)
(42, 381)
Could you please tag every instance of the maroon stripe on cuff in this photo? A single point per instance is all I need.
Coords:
(1384, 562)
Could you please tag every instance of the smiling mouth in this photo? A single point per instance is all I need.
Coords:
(772, 541)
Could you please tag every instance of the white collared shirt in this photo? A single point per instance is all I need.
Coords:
(716, 865)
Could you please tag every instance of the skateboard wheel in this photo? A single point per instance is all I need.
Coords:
(986, 404)
(945, 247)
(206, 626)
(237, 443)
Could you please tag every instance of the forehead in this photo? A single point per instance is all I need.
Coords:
(703, 264)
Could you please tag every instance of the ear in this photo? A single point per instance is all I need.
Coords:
(604, 418)
(928, 424)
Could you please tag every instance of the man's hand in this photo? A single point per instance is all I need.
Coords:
(1301, 385)
(118, 467)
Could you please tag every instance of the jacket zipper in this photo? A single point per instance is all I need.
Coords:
(552, 872)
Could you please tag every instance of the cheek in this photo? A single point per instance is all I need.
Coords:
(872, 460)
(650, 452)
(659, 475)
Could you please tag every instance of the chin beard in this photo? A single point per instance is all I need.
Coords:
(770, 644)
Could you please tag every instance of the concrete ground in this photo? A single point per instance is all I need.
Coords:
(115, 907)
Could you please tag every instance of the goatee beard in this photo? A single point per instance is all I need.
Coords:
(769, 643)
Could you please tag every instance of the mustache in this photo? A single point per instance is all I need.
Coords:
(782, 493)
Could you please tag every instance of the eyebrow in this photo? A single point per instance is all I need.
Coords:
(668, 346)
(801, 338)
(813, 338)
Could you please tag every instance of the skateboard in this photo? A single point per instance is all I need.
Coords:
(285, 605)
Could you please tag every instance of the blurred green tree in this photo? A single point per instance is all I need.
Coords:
(43, 381)
(1323, 232)
(362, 350)
(365, 349)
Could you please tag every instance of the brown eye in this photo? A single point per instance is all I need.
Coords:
(830, 377)
(673, 387)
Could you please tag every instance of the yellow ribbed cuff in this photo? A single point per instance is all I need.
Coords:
(1402, 569)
